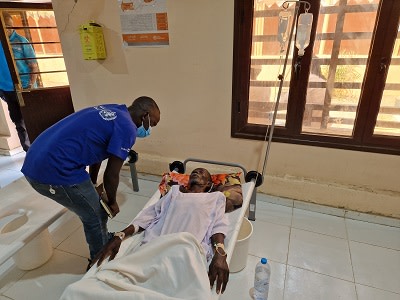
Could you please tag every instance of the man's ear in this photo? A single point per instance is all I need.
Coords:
(145, 115)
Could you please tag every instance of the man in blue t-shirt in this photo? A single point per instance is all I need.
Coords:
(56, 162)
(25, 61)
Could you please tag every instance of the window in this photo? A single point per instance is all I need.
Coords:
(343, 93)
(39, 29)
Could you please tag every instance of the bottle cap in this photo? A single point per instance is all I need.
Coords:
(264, 260)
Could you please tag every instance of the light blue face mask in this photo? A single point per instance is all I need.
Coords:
(142, 132)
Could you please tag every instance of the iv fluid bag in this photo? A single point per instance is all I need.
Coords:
(304, 24)
(283, 26)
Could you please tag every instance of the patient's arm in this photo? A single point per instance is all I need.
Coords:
(153, 212)
(218, 269)
(112, 247)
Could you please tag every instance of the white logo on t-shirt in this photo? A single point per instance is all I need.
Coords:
(107, 114)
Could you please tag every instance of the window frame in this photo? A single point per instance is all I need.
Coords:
(363, 139)
(20, 8)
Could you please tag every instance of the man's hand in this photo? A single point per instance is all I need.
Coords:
(219, 271)
(109, 250)
(103, 195)
(114, 208)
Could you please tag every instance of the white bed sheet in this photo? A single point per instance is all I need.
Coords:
(235, 222)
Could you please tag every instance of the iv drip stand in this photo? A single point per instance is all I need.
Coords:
(281, 76)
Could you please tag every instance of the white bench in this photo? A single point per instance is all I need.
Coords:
(24, 219)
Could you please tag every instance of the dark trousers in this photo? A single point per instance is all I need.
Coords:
(16, 117)
(83, 200)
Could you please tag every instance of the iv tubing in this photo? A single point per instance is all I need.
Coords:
(281, 77)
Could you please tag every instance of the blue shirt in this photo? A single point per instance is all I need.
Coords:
(6, 83)
(60, 154)
(22, 51)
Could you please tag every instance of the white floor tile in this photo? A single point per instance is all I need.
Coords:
(50, 280)
(13, 162)
(374, 234)
(64, 227)
(129, 206)
(146, 188)
(114, 226)
(240, 283)
(376, 266)
(319, 223)
(320, 253)
(68, 235)
(148, 184)
(270, 240)
(273, 213)
(369, 293)
(76, 244)
(306, 285)
(9, 176)
(274, 199)
(9, 275)
(125, 184)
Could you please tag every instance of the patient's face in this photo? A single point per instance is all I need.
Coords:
(200, 177)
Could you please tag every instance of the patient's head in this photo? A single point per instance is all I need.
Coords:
(199, 181)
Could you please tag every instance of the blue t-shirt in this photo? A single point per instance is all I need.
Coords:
(6, 83)
(60, 154)
(24, 50)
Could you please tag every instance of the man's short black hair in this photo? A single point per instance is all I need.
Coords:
(144, 104)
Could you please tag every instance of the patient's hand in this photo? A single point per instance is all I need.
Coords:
(219, 271)
(109, 250)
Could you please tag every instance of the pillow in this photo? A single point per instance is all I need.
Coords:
(228, 184)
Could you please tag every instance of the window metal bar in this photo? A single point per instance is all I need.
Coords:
(44, 72)
(35, 43)
(40, 57)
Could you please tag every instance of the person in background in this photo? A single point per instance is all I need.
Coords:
(25, 60)
(56, 162)
(24, 55)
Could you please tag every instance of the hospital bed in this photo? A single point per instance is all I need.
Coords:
(235, 218)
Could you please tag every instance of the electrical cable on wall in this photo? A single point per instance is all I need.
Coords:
(72, 9)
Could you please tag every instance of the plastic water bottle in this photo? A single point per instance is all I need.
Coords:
(261, 280)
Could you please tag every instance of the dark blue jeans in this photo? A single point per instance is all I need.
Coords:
(16, 117)
(83, 200)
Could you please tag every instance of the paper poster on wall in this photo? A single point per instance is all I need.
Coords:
(144, 23)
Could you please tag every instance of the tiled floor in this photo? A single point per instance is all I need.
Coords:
(313, 256)
(10, 167)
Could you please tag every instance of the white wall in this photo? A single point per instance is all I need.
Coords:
(9, 142)
(191, 82)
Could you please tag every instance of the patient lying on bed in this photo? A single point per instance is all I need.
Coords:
(179, 237)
